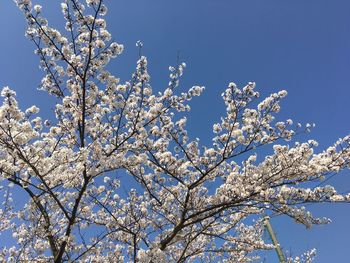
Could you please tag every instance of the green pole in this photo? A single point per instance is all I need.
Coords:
(278, 249)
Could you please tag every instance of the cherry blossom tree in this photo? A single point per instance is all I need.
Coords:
(115, 176)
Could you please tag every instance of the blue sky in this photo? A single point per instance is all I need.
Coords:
(300, 46)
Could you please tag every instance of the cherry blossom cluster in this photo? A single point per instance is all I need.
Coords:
(116, 176)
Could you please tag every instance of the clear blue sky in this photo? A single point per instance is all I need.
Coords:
(299, 45)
